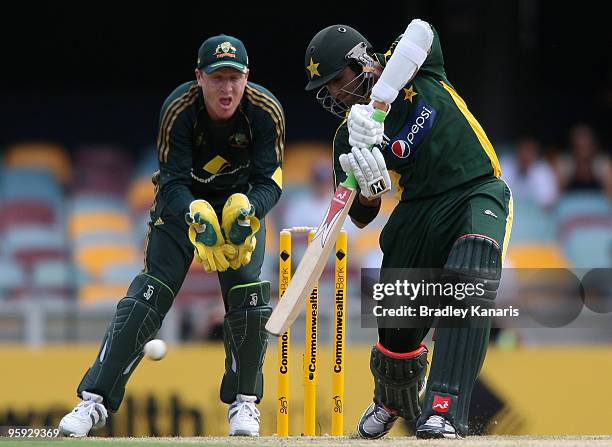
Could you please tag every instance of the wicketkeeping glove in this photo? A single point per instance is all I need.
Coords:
(364, 132)
(369, 168)
(205, 235)
(239, 226)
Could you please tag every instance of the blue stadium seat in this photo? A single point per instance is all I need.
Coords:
(11, 275)
(96, 202)
(589, 247)
(580, 204)
(34, 237)
(30, 184)
(531, 223)
(53, 274)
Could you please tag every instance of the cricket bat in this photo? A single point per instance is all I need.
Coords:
(313, 262)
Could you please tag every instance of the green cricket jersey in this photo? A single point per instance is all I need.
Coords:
(432, 141)
(200, 159)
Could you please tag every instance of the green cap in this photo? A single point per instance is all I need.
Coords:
(222, 51)
(329, 51)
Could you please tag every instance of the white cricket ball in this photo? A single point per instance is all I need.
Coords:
(155, 349)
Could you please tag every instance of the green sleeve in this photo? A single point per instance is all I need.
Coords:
(174, 145)
(265, 176)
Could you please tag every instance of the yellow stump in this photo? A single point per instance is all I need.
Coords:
(284, 276)
(337, 416)
(309, 366)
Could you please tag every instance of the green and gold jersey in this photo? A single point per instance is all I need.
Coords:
(432, 141)
(201, 159)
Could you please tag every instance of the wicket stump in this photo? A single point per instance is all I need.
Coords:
(310, 357)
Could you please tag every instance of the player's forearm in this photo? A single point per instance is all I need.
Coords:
(264, 196)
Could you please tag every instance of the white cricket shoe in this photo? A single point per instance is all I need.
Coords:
(243, 416)
(375, 422)
(436, 427)
(89, 414)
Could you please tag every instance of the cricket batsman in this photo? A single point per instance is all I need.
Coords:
(454, 211)
(220, 144)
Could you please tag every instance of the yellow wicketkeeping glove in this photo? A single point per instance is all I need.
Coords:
(205, 235)
(239, 227)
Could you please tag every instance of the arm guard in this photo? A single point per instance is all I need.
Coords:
(410, 53)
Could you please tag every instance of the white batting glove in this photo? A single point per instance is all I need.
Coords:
(369, 168)
(364, 132)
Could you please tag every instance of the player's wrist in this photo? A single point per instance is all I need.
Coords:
(371, 202)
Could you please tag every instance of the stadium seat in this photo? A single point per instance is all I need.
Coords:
(299, 159)
(578, 209)
(96, 292)
(531, 223)
(12, 275)
(28, 257)
(34, 237)
(589, 246)
(92, 165)
(82, 203)
(26, 212)
(53, 273)
(535, 255)
(46, 156)
(121, 272)
(95, 258)
(141, 195)
(95, 222)
(24, 184)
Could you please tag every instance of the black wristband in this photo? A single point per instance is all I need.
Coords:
(362, 213)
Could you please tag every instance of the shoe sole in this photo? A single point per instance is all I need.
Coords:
(363, 436)
(243, 433)
(426, 434)
(69, 434)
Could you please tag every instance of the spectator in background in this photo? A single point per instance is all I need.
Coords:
(584, 174)
(307, 209)
(529, 176)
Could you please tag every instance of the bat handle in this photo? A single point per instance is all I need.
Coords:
(350, 182)
(379, 114)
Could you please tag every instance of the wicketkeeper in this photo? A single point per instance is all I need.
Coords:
(220, 145)
(454, 211)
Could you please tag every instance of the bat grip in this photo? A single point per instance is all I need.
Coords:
(350, 182)
(377, 115)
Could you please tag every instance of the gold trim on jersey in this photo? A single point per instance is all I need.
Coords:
(269, 105)
(278, 177)
(476, 127)
(146, 248)
(396, 177)
(155, 181)
(167, 121)
(509, 220)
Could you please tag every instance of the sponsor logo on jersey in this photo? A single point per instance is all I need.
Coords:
(490, 213)
(239, 140)
(400, 149)
(414, 131)
(441, 404)
(216, 165)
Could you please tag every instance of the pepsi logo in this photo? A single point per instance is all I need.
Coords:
(400, 149)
